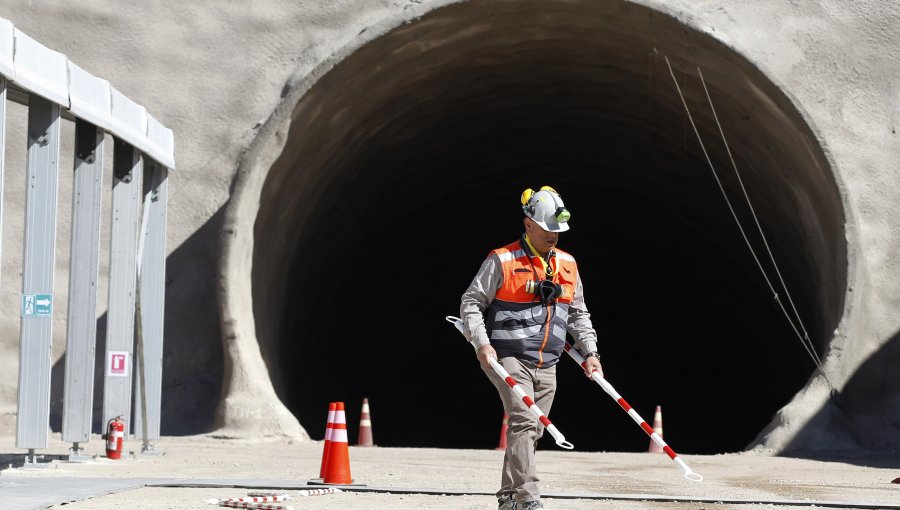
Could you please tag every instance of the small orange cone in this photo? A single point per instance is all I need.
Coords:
(331, 410)
(657, 427)
(337, 470)
(365, 426)
(502, 444)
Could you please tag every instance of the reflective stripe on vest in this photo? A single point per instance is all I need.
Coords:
(502, 315)
(518, 325)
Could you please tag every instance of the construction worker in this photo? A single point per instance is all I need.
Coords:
(517, 310)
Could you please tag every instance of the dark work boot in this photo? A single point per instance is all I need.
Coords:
(507, 503)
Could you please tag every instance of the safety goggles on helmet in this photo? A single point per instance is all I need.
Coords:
(546, 208)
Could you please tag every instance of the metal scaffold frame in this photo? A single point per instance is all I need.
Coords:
(54, 88)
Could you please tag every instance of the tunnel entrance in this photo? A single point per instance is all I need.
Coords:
(402, 170)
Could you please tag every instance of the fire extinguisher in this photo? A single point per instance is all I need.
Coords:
(115, 434)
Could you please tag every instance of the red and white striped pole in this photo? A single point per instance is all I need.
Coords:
(519, 392)
(517, 389)
(656, 438)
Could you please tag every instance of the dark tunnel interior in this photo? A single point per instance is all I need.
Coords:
(403, 168)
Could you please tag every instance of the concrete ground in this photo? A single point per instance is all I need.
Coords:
(194, 469)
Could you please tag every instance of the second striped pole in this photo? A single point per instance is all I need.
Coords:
(608, 388)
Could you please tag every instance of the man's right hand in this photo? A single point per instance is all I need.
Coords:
(484, 352)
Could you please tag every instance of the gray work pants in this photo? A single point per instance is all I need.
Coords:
(520, 479)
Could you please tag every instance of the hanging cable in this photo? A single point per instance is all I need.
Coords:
(756, 220)
(804, 337)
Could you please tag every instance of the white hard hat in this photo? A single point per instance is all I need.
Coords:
(546, 208)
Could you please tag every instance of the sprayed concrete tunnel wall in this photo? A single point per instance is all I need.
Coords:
(357, 161)
(403, 166)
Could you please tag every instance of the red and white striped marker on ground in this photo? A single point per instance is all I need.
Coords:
(254, 499)
(269, 498)
(319, 492)
(519, 392)
(608, 388)
(255, 506)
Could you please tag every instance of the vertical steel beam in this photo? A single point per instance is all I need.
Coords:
(126, 202)
(32, 423)
(2, 151)
(152, 303)
(83, 274)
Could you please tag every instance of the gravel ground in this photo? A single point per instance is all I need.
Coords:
(612, 480)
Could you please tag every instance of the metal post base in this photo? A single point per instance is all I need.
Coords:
(34, 461)
(149, 450)
(76, 454)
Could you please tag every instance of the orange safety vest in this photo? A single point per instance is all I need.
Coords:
(517, 323)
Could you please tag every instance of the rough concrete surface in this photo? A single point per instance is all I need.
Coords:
(229, 78)
(616, 480)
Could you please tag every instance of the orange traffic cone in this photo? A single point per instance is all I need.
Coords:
(365, 426)
(331, 410)
(657, 427)
(337, 471)
(502, 444)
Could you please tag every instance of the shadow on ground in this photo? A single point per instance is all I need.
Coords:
(17, 460)
(869, 402)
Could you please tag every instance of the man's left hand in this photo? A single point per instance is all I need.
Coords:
(591, 365)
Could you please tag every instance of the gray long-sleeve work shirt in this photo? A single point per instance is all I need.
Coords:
(478, 297)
